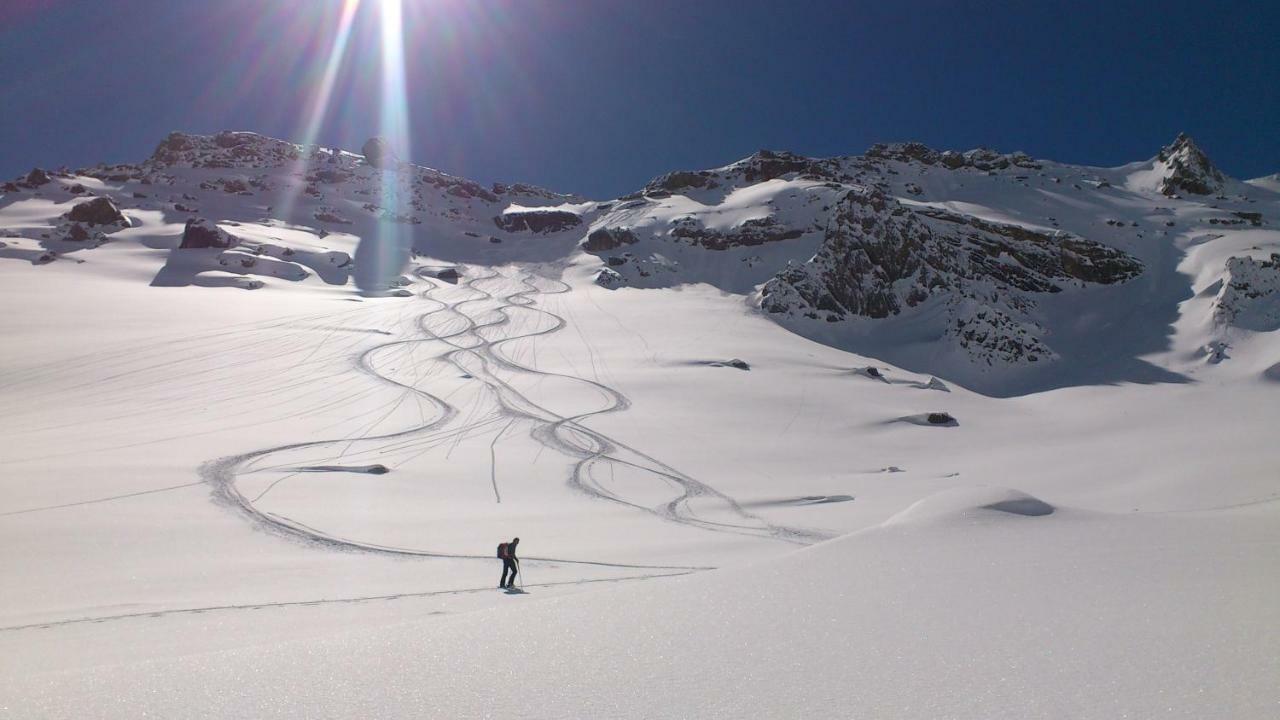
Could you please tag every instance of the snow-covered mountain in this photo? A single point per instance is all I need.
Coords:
(912, 433)
(999, 271)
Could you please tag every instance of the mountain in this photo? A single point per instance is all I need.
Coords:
(910, 433)
(1000, 271)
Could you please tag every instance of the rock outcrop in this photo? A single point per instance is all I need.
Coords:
(201, 233)
(377, 152)
(606, 239)
(880, 258)
(1188, 169)
(98, 211)
(537, 221)
(1250, 295)
(36, 178)
(750, 232)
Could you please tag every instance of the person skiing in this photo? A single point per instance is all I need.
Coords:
(507, 553)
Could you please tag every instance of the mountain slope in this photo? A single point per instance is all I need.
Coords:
(998, 271)
(257, 450)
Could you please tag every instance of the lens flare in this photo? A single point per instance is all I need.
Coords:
(380, 258)
(320, 101)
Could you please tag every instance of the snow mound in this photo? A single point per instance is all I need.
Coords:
(972, 503)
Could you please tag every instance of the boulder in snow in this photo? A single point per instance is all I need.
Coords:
(98, 211)
(377, 152)
(202, 233)
(36, 178)
(610, 279)
(608, 239)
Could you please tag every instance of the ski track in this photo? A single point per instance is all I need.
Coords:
(323, 601)
(473, 343)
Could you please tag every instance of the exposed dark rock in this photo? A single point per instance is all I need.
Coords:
(98, 211)
(329, 216)
(449, 275)
(77, 233)
(172, 147)
(751, 232)
(1189, 169)
(227, 139)
(681, 180)
(769, 165)
(331, 176)
(1250, 295)
(940, 418)
(879, 257)
(537, 221)
(202, 233)
(608, 239)
(224, 150)
(978, 158)
(377, 152)
(609, 279)
(36, 178)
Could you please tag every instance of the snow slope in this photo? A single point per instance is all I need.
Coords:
(265, 476)
(954, 610)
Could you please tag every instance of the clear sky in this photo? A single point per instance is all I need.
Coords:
(598, 96)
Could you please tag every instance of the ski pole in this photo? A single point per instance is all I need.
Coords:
(519, 575)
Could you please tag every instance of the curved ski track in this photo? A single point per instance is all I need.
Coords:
(561, 433)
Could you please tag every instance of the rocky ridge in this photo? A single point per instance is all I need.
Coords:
(825, 246)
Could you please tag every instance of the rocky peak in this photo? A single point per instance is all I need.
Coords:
(978, 158)
(758, 167)
(226, 149)
(1188, 169)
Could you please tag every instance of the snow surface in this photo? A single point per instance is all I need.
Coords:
(719, 518)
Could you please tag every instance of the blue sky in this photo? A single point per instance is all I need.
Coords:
(597, 96)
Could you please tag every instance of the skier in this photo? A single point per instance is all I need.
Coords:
(507, 553)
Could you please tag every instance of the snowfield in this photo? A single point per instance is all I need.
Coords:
(247, 476)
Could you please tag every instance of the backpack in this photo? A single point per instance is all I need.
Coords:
(502, 550)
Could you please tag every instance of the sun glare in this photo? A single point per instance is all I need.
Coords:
(386, 251)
